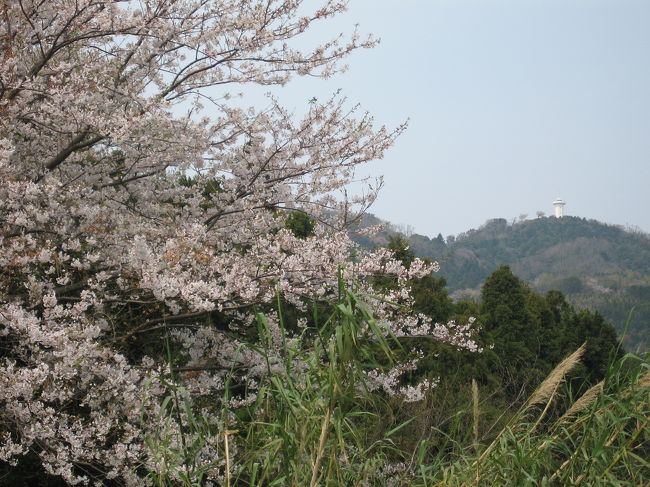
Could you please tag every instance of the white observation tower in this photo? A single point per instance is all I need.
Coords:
(559, 207)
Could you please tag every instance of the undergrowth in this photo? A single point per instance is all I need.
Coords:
(319, 425)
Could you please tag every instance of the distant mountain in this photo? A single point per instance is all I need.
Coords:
(602, 267)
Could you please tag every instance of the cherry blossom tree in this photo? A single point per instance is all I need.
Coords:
(140, 200)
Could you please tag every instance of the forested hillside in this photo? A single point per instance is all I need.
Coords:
(601, 267)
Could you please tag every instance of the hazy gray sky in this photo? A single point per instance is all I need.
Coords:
(511, 104)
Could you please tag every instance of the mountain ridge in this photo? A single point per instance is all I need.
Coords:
(602, 267)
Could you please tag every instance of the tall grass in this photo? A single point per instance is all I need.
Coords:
(317, 424)
(314, 426)
(603, 439)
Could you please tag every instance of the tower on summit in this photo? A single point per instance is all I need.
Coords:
(559, 207)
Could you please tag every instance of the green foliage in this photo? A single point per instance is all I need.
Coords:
(532, 333)
(321, 426)
(524, 335)
(300, 224)
(315, 427)
(603, 440)
(505, 316)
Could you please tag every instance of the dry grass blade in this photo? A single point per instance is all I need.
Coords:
(644, 381)
(547, 388)
(321, 448)
(582, 403)
(475, 413)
